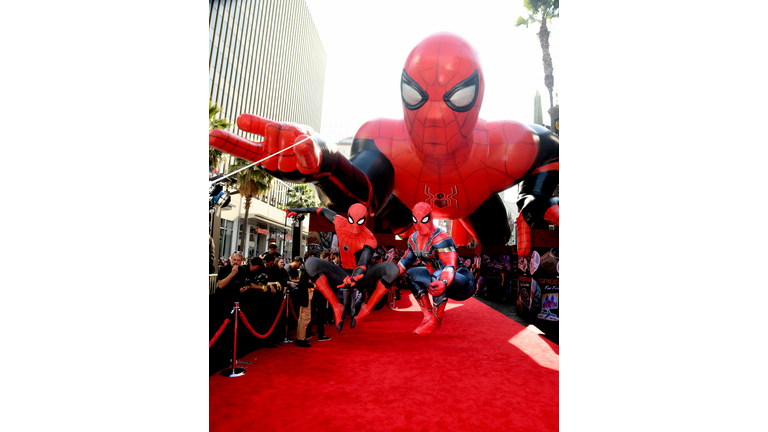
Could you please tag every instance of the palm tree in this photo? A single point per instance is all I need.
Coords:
(215, 156)
(301, 196)
(251, 183)
(540, 12)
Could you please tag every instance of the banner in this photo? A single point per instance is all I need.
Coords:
(335, 244)
(539, 286)
(524, 300)
(550, 291)
(326, 239)
(547, 279)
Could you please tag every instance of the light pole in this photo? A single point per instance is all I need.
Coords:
(296, 249)
(285, 227)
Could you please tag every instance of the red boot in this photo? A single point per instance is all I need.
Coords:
(366, 309)
(338, 310)
(426, 309)
(434, 321)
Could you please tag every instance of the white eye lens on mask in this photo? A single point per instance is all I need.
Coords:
(349, 218)
(426, 219)
(410, 95)
(361, 221)
(463, 97)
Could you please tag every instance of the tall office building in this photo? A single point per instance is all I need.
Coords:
(265, 58)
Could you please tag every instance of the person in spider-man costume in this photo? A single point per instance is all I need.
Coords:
(444, 275)
(440, 153)
(356, 247)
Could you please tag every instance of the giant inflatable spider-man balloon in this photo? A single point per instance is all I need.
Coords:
(440, 153)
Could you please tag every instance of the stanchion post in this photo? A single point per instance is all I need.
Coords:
(287, 307)
(393, 295)
(235, 371)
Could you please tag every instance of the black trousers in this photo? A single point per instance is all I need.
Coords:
(319, 311)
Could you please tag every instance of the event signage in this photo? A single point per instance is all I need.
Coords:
(524, 294)
(539, 287)
(548, 281)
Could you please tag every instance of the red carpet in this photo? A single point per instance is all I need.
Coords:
(480, 371)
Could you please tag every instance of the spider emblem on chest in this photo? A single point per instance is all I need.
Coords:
(346, 247)
(441, 200)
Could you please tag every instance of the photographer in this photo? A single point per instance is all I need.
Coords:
(230, 278)
(293, 271)
(278, 284)
(256, 277)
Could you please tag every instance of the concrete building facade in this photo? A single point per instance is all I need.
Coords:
(265, 58)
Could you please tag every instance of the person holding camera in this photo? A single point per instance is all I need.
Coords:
(293, 270)
(256, 277)
(258, 300)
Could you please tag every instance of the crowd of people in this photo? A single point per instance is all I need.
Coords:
(269, 277)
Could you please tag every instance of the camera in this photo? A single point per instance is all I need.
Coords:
(218, 196)
(258, 280)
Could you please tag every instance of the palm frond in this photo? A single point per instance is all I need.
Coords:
(216, 123)
(301, 196)
(253, 181)
(522, 21)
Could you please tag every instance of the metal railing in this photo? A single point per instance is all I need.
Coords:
(212, 285)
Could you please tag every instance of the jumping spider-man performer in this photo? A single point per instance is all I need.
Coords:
(356, 246)
(443, 277)
(440, 153)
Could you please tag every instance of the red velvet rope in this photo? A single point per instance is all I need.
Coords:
(245, 321)
(218, 333)
(293, 312)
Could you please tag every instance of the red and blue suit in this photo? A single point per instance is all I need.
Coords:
(443, 275)
(356, 247)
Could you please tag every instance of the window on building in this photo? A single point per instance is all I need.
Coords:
(252, 236)
(225, 238)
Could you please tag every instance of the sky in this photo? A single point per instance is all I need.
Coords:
(366, 48)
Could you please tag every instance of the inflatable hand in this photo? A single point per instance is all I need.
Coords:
(297, 162)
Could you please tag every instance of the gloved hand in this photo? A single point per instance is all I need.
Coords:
(350, 281)
(437, 287)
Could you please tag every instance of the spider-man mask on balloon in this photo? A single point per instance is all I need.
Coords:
(442, 91)
(356, 216)
(422, 219)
